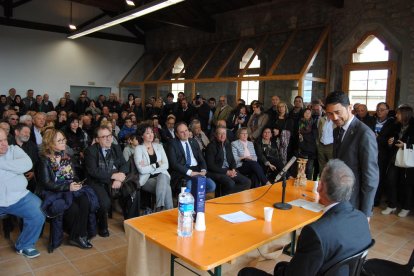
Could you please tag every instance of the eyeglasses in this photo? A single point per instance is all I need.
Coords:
(106, 137)
(13, 119)
(61, 141)
(381, 109)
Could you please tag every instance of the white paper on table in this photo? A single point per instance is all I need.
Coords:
(311, 206)
(237, 217)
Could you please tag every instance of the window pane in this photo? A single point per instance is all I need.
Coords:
(377, 84)
(374, 98)
(358, 84)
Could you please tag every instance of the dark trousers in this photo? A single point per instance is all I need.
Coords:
(400, 187)
(383, 161)
(253, 169)
(104, 205)
(76, 217)
(230, 185)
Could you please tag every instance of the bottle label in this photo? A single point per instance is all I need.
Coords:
(184, 207)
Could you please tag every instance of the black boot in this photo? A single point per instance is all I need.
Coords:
(80, 242)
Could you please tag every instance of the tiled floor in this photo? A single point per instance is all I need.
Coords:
(394, 241)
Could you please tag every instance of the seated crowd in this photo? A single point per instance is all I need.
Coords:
(79, 154)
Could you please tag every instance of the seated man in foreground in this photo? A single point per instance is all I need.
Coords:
(341, 232)
(16, 200)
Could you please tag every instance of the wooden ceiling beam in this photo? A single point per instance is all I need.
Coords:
(21, 2)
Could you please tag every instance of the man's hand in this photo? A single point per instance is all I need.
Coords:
(29, 175)
(272, 167)
(120, 176)
(231, 173)
(74, 187)
(203, 173)
(193, 173)
(116, 184)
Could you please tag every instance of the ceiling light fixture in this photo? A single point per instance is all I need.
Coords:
(132, 14)
(71, 25)
(130, 3)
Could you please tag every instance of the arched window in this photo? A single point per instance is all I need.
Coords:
(177, 70)
(250, 88)
(371, 76)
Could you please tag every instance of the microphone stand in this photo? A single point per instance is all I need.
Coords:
(283, 205)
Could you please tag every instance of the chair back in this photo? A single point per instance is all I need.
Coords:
(353, 263)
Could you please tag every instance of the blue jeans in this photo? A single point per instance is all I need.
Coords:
(27, 208)
(210, 185)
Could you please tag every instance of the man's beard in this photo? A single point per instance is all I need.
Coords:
(24, 139)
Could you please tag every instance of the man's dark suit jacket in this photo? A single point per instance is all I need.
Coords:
(359, 151)
(177, 157)
(215, 157)
(100, 176)
(340, 233)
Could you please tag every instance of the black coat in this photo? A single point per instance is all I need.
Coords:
(100, 176)
(215, 157)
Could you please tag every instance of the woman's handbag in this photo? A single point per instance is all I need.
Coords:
(405, 157)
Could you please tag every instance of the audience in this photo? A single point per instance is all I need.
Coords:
(92, 130)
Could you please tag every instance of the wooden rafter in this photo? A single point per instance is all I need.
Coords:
(226, 79)
(187, 64)
(169, 69)
(226, 62)
(315, 51)
(207, 61)
(282, 53)
(255, 53)
(155, 68)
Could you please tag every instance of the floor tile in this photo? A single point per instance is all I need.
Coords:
(73, 252)
(108, 243)
(92, 263)
(117, 255)
(14, 266)
(46, 259)
(62, 269)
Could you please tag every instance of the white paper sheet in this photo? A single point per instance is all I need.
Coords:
(311, 206)
(237, 217)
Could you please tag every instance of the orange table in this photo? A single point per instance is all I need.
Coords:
(222, 241)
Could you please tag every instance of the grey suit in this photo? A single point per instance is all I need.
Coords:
(360, 152)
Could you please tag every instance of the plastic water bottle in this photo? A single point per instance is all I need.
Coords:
(185, 213)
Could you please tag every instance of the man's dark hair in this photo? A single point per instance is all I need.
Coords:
(212, 99)
(300, 97)
(384, 103)
(337, 97)
(179, 124)
(19, 127)
(170, 95)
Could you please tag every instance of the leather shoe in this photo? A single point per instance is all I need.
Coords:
(80, 242)
(104, 233)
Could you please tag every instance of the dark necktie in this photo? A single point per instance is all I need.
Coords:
(340, 136)
(107, 152)
(187, 155)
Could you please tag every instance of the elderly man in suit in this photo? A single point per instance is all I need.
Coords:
(186, 158)
(356, 145)
(328, 240)
(106, 168)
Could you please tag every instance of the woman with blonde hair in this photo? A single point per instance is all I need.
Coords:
(63, 195)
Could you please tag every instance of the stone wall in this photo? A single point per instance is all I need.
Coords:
(392, 21)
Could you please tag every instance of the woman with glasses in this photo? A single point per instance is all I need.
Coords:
(64, 197)
(246, 159)
(152, 165)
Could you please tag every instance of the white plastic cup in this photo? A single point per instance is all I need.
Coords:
(200, 224)
(315, 187)
(268, 212)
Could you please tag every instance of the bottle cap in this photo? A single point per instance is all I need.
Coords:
(183, 189)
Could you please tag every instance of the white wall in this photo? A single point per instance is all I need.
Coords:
(49, 62)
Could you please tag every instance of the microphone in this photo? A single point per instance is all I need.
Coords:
(285, 168)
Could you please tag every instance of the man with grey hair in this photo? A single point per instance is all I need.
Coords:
(16, 200)
(341, 232)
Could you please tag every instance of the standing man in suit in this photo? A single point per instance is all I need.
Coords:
(328, 240)
(355, 144)
(186, 158)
